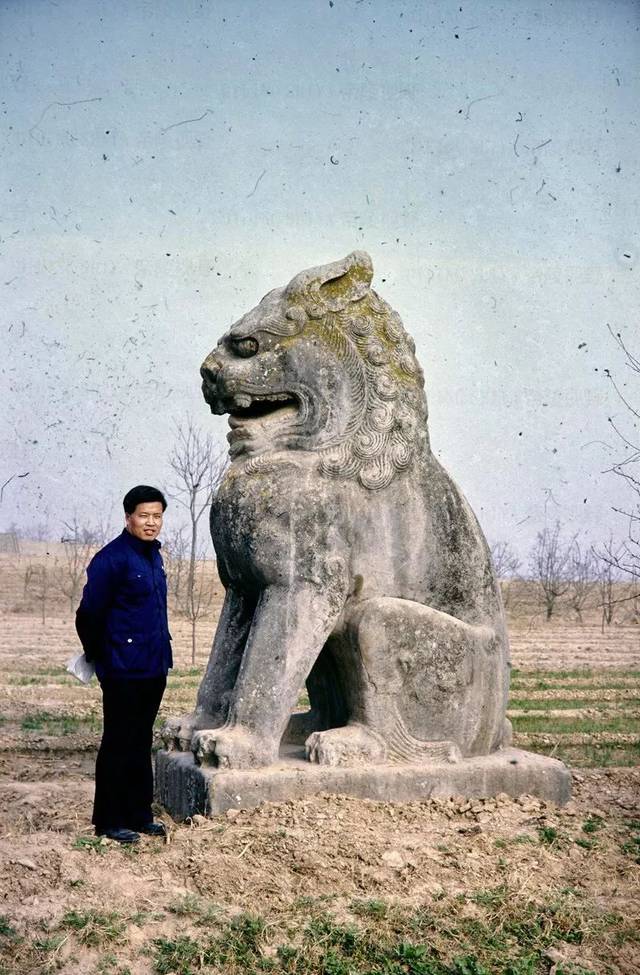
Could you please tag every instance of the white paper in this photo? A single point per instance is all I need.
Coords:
(80, 667)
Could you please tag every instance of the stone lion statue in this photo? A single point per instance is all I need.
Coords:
(350, 559)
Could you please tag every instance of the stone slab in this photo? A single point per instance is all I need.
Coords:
(185, 788)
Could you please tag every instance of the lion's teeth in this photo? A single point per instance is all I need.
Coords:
(242, 401)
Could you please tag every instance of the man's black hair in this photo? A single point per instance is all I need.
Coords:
(141, 494)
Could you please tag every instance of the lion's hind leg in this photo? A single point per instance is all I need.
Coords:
(425, 686)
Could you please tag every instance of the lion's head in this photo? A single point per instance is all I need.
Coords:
(322, 365)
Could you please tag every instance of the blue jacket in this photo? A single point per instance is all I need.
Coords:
(122, 618)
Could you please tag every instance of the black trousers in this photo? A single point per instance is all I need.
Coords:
(124, 775)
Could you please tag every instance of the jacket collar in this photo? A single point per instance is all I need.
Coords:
(144, 548)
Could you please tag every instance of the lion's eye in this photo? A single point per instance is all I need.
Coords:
(245, 347)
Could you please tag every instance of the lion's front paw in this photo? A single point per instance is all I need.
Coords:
(231, 748)
(351, 745)
(177, 733)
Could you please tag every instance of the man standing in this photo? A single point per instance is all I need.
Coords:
(122, 625)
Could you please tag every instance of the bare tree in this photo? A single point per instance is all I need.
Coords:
(628, 468)
(39, 531)
(608, 574)
(505, 561)
(606, 591)
(583, 575)
(37, 582)
(198, 464)
(195, 601)
(633, 600)
(549, 562)
(79, 544)
(506, 564)
(174, 553)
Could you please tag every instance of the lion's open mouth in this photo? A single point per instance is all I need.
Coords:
(248, 407)
(256, 420)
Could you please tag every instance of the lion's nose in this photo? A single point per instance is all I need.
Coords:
(209, 370)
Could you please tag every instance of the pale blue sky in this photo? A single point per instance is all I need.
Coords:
(165, 164)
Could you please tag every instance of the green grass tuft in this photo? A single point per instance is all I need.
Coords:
(507, 938)
(569, 704)
(90, 843)
(593, 823)
(595, 755)
(369, 908)
(59, 724)
(93, 928)
(549, 835)
(525, 724)
(178, 956)
(6, 928)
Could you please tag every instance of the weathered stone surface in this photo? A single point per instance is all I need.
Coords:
(351, 560)
(209, 791)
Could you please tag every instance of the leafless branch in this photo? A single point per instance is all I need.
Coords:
(8, 481)
(187, 121)
(198, 464)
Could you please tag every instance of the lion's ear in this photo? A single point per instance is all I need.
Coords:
(337, 284)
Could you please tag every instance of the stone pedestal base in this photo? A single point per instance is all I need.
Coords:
(185, 788)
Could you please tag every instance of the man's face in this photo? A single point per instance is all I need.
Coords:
(146, 521)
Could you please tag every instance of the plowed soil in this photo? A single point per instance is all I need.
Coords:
(81, 906)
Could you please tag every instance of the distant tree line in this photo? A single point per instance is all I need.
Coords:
(582, 576)
(589, 576)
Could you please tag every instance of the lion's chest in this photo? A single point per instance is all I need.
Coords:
(272, 526)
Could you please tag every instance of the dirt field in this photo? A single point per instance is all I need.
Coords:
(332, 885)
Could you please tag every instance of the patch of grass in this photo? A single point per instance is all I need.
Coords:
(508, 938)
(89, 843)
(59, 724)
(240, 944)
(490, 898)
(592, 824)
(582, 673)
(631, 846)
(618, 678)
(525, 724)
(596, 755)
(93, 928)
(108, 965)
(549, 835)
(524, 838)
(369, 908)
(202, 911)
(40, 678)
(49, 944)
(238, 949)
(600, 683)
(44, 673)
(177, 956)
(555, 675)
(6, 928)
(567, 704)
(585, 843)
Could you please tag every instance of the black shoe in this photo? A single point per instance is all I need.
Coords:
(153, 829)
(119, 834)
